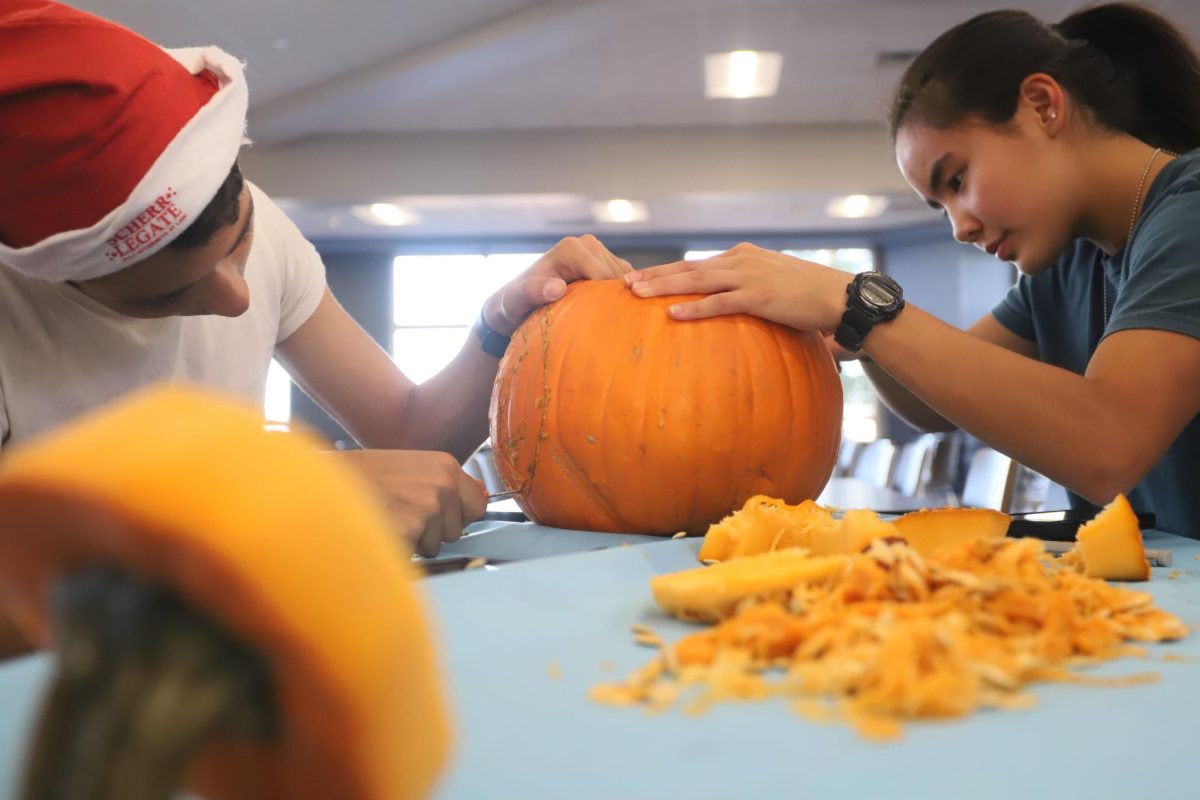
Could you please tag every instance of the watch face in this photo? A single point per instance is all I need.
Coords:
(877, 293)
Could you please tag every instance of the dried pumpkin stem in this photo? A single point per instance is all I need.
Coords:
(142, 681)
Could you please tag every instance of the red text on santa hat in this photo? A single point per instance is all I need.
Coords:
(148, 228)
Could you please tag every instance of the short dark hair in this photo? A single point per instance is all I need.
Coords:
(1131, 69)
(222, 211)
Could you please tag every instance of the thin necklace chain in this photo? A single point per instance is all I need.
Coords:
(1137, 202)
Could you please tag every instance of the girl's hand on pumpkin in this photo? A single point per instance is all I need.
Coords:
(427, 494)
(750, 280)
(574, 258)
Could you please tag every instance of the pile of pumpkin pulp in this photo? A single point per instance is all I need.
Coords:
(871, 622)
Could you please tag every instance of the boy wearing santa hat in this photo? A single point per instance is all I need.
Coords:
(132, 250)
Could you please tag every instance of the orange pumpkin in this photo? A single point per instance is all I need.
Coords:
(285, 548)
(608, 415)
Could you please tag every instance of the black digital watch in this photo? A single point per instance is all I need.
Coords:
(871, 298)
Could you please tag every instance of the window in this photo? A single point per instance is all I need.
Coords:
(435, 301)
(277, 404)
(860, 404)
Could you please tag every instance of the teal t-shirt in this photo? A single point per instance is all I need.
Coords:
(1153, 282)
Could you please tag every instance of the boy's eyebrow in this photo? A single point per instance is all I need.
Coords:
(245, 226)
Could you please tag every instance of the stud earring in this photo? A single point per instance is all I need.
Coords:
(1053, 115)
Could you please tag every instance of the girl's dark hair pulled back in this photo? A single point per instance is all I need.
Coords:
(1130, 67)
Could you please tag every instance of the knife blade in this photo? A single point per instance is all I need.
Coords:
(492, 498)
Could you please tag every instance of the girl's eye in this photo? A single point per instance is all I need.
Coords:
(955, 182)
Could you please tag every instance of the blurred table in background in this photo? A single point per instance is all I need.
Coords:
(846, 493)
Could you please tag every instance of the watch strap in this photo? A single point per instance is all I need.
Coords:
(494, 344)
(853, 329)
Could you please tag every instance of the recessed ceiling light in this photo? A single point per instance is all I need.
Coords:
(742, 73)
(620, 210)
(386, 214)
(856, 206)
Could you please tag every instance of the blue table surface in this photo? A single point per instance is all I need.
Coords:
(523, 644)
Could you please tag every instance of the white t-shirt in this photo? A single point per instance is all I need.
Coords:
(62, 353)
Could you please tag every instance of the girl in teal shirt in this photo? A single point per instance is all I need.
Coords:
(1066, 150)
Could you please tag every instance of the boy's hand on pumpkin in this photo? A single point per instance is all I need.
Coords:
(574, 258)
(750, 280)
(427, 494)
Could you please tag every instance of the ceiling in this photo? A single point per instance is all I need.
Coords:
(509, 117)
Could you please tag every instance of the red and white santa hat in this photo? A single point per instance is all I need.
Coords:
(110, 146)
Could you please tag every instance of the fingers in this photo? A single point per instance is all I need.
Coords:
(598, 262)
(451, 517)
(433, 516)
(715, 305)
(452, 489)
(472, 498)
(690, 281)
(427, 494)
(662, 270)
(415, 527)
(585, 257)
(429, 541)
(574, 258)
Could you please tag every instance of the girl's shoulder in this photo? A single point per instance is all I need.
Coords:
(1171, 211)
(1181, 177)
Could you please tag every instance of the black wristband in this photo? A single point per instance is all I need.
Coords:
(853, 328)
(494, 344)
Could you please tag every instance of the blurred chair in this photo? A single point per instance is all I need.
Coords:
(847, 454)
(1030, 490)
(913, 463)
(989, 480)
(942, 482)
(874, 464)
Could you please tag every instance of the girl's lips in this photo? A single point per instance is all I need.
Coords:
(1002, 250)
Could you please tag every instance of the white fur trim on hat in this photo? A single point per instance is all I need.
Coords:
(172, 193)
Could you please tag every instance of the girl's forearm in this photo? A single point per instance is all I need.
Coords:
(1047, 418)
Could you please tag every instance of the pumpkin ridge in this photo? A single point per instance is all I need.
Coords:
(744, 367)
(544, 328)
(780, 337)
(516, 428)
(573, 471)
(608, 383)
(649, 347)
(803, 376)
(631, 316)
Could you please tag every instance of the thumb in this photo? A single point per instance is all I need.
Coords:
(531, 292)
(546, 289)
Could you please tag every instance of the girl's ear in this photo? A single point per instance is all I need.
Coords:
(1043, 101)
